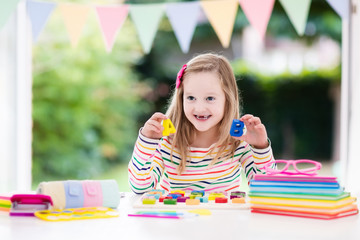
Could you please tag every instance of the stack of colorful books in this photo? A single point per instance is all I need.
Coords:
(302, 196)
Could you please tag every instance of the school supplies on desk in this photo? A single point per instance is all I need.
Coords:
(294, 178)
(5, 204)
(300, 195)
(305, 203)
(296, 184)
(177, 199)
(85, 193)
(312, 213)
(300, 192)
(76, 214)
(274, 188)
(303, 167)
(28, 204)
(163, 214)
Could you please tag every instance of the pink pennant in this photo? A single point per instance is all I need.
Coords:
(258, 13)
(111, 19)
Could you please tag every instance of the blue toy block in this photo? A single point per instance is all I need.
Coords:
(174, 196)
(237, 128)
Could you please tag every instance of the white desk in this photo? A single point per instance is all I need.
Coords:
(222, 224)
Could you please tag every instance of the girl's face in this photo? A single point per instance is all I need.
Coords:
(204, 100)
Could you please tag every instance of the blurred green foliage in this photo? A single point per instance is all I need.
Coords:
(86, 103)
(298, 111)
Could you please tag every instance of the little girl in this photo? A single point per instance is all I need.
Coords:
(201, 155)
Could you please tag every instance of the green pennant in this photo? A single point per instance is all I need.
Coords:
(146, 18)
(6, 9)
(297, 11)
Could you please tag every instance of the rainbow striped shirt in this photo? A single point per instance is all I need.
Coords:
(151, 165)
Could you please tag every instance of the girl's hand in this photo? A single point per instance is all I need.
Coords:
(153, 128)
(256, 134)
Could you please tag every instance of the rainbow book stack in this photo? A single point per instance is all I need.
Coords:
(299, 195)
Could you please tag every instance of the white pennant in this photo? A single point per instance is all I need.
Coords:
(183, 18)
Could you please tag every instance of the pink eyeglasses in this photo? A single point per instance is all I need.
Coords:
(301, 167)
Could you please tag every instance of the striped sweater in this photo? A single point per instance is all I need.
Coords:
(152, 167)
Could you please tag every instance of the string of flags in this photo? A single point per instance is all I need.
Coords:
(183, 17)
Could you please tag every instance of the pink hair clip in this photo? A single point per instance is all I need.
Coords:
(180, 75)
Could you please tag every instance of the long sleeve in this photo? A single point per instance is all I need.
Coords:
(152, 166)
(253, 160)
(146, 166)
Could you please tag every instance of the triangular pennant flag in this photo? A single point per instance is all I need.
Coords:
(39, 13)
(146, 18)
(6, 9)
(74, 16)
(258, 13)
(183, 18)
(111, 19)
(221, 15)
(298, 12)
(341, 7)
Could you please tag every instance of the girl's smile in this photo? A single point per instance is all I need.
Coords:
(202, 118)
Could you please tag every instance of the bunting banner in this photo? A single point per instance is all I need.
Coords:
(110, 20)
(74, 16)
(38, 13)
(183, 17)
(258, 13)
(341, 7)
(297, 12)
(146, 18)
(221, 15)
(7, 7)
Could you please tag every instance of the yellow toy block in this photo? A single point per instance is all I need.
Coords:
(168, 127)
(149, 201)
(178, 192)
(217, 194)
(212, 196)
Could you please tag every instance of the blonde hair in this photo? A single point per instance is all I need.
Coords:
(208, 62)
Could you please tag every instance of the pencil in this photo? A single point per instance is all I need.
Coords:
(155, 216)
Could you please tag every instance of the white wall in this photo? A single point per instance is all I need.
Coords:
(352, 165)
(15, 103)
